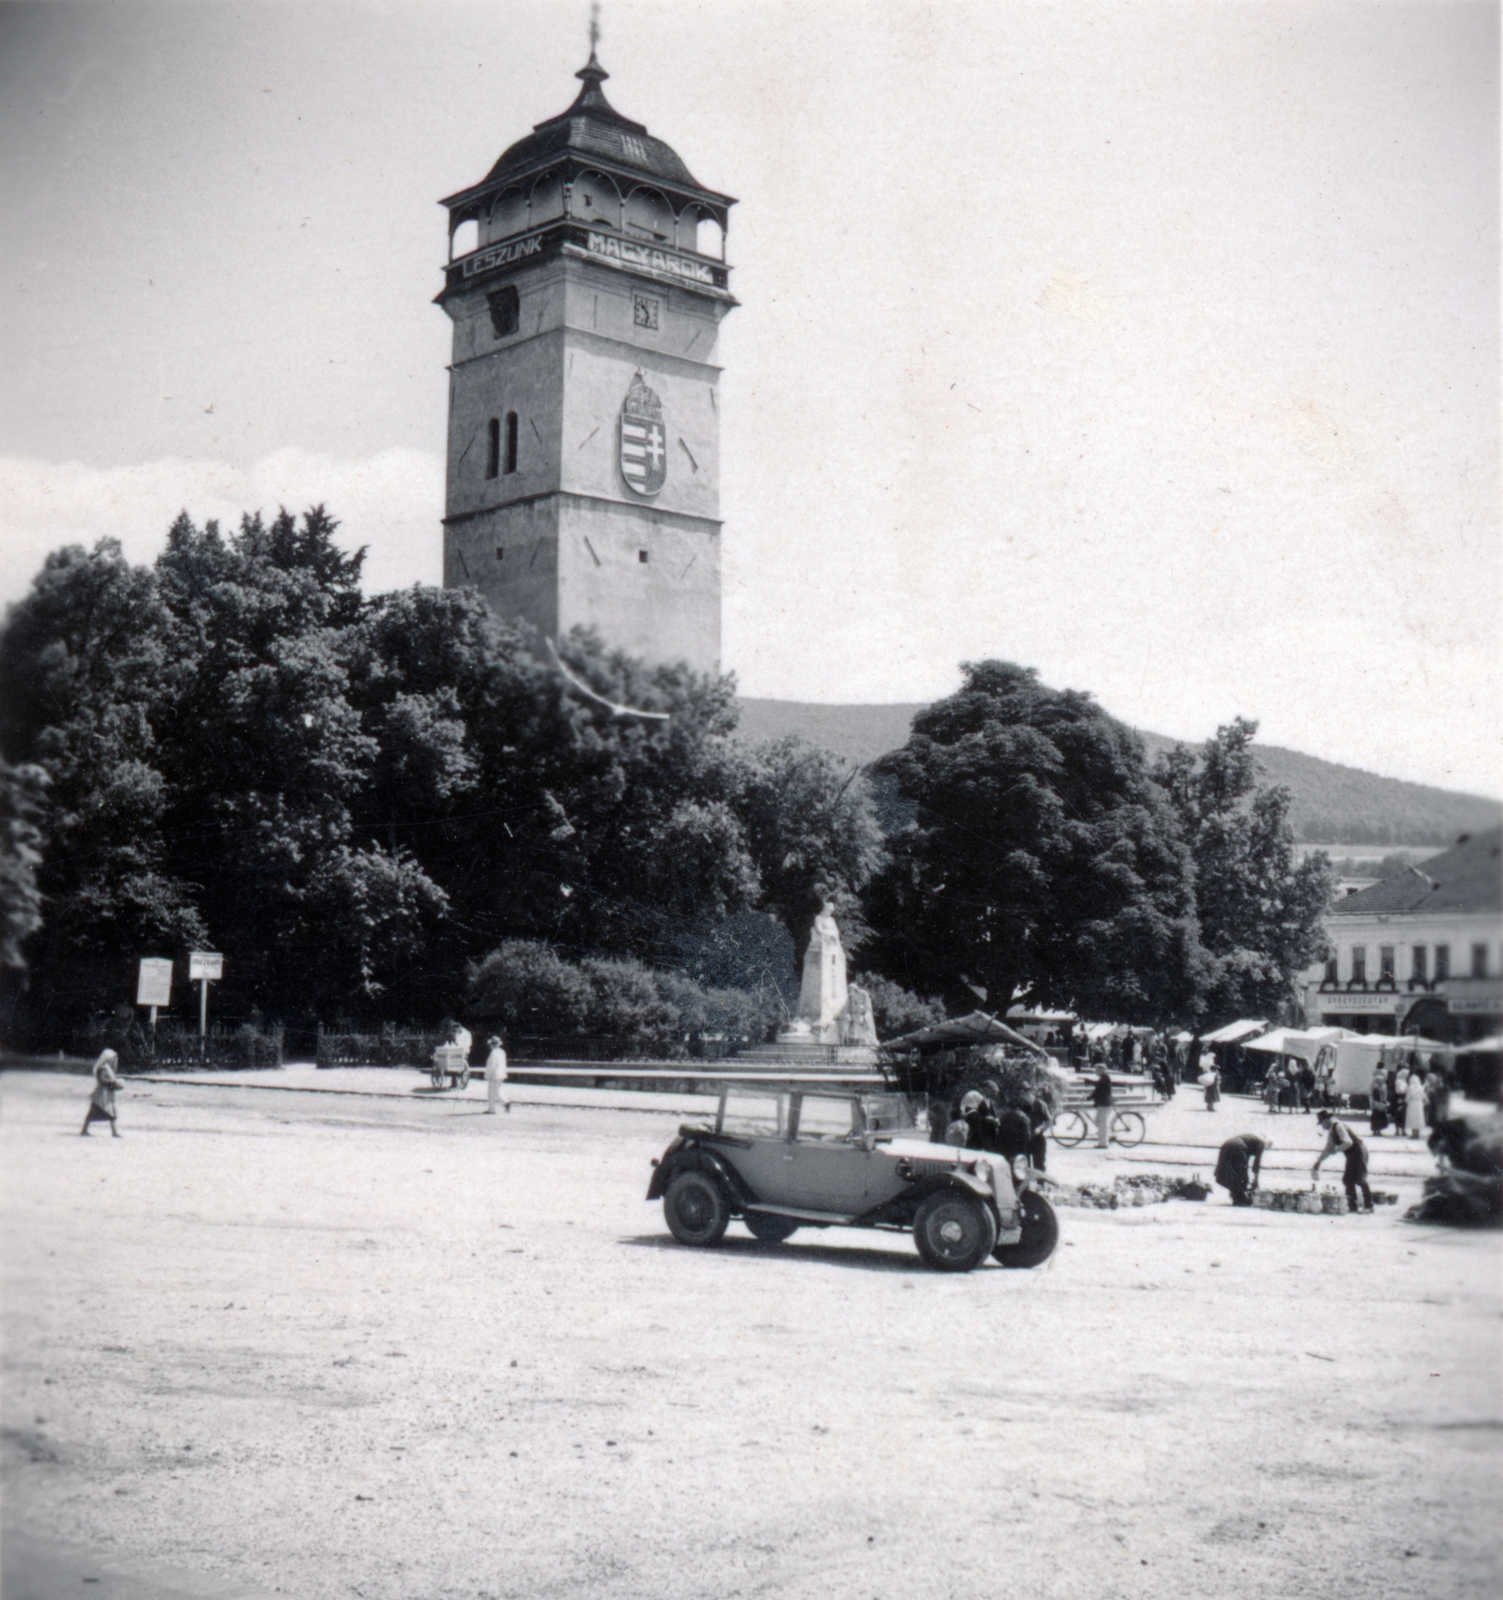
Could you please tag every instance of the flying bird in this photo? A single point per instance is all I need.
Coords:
(579, 685)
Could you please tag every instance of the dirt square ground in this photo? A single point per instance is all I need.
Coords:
(392, 1348)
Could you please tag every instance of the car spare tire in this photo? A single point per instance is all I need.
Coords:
(954, 1230)
(768, 1228)
(696, 1208)
(1040, 1233)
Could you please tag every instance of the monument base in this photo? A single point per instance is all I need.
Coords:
(805, 1054)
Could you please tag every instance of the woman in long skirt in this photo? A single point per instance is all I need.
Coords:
(1414, 1107)
(102, 1101)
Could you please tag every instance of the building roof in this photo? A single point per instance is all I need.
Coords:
(1467, 877)
(594, 129)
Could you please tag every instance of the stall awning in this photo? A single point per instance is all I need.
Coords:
(976, 1028)
(1480, 1047)
(1274, 1042)
(1234, 1031)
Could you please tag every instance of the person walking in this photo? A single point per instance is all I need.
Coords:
(1101, 1099)
(1340, 1137)
(495, 1077)
(1414, 1105)
(1210, 1079)
(102, 1101)
(1239, 1164)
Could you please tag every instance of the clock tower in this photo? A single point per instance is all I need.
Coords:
(586, 283)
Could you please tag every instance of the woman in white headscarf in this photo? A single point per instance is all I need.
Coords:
(1414, 1106)
(102, 1101)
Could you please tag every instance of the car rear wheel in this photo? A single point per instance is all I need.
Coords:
(954, 1231)
(1040, 1233)
(769, 1229)
(696, 1208)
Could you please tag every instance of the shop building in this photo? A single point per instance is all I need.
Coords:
(1418, 953)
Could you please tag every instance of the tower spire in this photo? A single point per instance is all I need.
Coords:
(592, 74)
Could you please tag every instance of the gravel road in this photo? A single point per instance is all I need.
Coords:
(339, 1345)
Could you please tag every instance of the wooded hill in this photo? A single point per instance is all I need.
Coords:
(1333, 804)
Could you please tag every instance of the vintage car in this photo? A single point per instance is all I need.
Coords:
(785, 1159)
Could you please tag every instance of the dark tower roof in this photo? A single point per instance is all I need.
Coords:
(593, 130)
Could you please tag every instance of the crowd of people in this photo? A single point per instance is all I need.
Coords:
(1410, 1095)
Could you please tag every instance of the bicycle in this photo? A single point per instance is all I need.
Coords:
(1075, 1127)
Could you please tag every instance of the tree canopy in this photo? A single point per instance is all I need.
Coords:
(1043, 864)
(355, 798)
(1260, 907)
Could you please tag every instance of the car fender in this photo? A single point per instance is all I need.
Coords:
(690, 1157)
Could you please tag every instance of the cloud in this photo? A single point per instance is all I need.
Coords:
(391, 502)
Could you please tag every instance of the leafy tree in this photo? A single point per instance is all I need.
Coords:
(1043, 863)
(83, 667)
(22, 792)
(813, 834)
(1260, 908)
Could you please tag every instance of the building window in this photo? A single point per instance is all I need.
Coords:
(1421, 971)
(1479, 960)
(1442, 962)
(1333, 974)
(506, 310)
(511, 441)
(1385, 962)
(1359, 963)
(493, 448)
(642, 557)
(500, 552)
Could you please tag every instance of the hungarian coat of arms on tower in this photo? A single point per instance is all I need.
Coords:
(644, 440)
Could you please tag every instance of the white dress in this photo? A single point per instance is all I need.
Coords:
(1414, 1104)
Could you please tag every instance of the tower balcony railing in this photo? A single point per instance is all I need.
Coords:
(597, 240)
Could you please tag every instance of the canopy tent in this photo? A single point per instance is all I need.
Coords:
(1234, 1032)
(1026, 1014)
(1184, 1036)
(976, 1028)
(1273, 1042)
(1482, 1047)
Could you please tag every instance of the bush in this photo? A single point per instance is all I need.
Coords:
(625, 1003)
(532, 992)
(528, 988)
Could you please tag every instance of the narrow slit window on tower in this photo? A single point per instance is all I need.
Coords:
(642, 557)
(500, 552)
(511, 441)
(493, 448)
(506, 310)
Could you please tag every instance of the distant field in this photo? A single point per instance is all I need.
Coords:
(1344, 808)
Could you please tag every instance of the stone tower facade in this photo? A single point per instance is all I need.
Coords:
(586, 283)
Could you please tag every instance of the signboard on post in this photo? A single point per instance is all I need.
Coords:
(204, 967)
(154, 983)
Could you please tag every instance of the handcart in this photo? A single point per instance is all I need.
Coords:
(451, 1067)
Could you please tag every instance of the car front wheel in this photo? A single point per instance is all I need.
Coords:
(1040, 1233)
(696, 1208)
(954, 1231)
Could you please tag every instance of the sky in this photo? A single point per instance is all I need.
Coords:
(1151, 345)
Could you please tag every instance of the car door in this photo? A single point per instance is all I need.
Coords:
(824, 1166)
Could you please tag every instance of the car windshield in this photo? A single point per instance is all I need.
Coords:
(886, 1113)
(753, 1114)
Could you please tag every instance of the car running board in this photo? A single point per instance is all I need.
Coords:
(804, 1216)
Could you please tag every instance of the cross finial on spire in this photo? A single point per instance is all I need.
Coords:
(594, 26)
